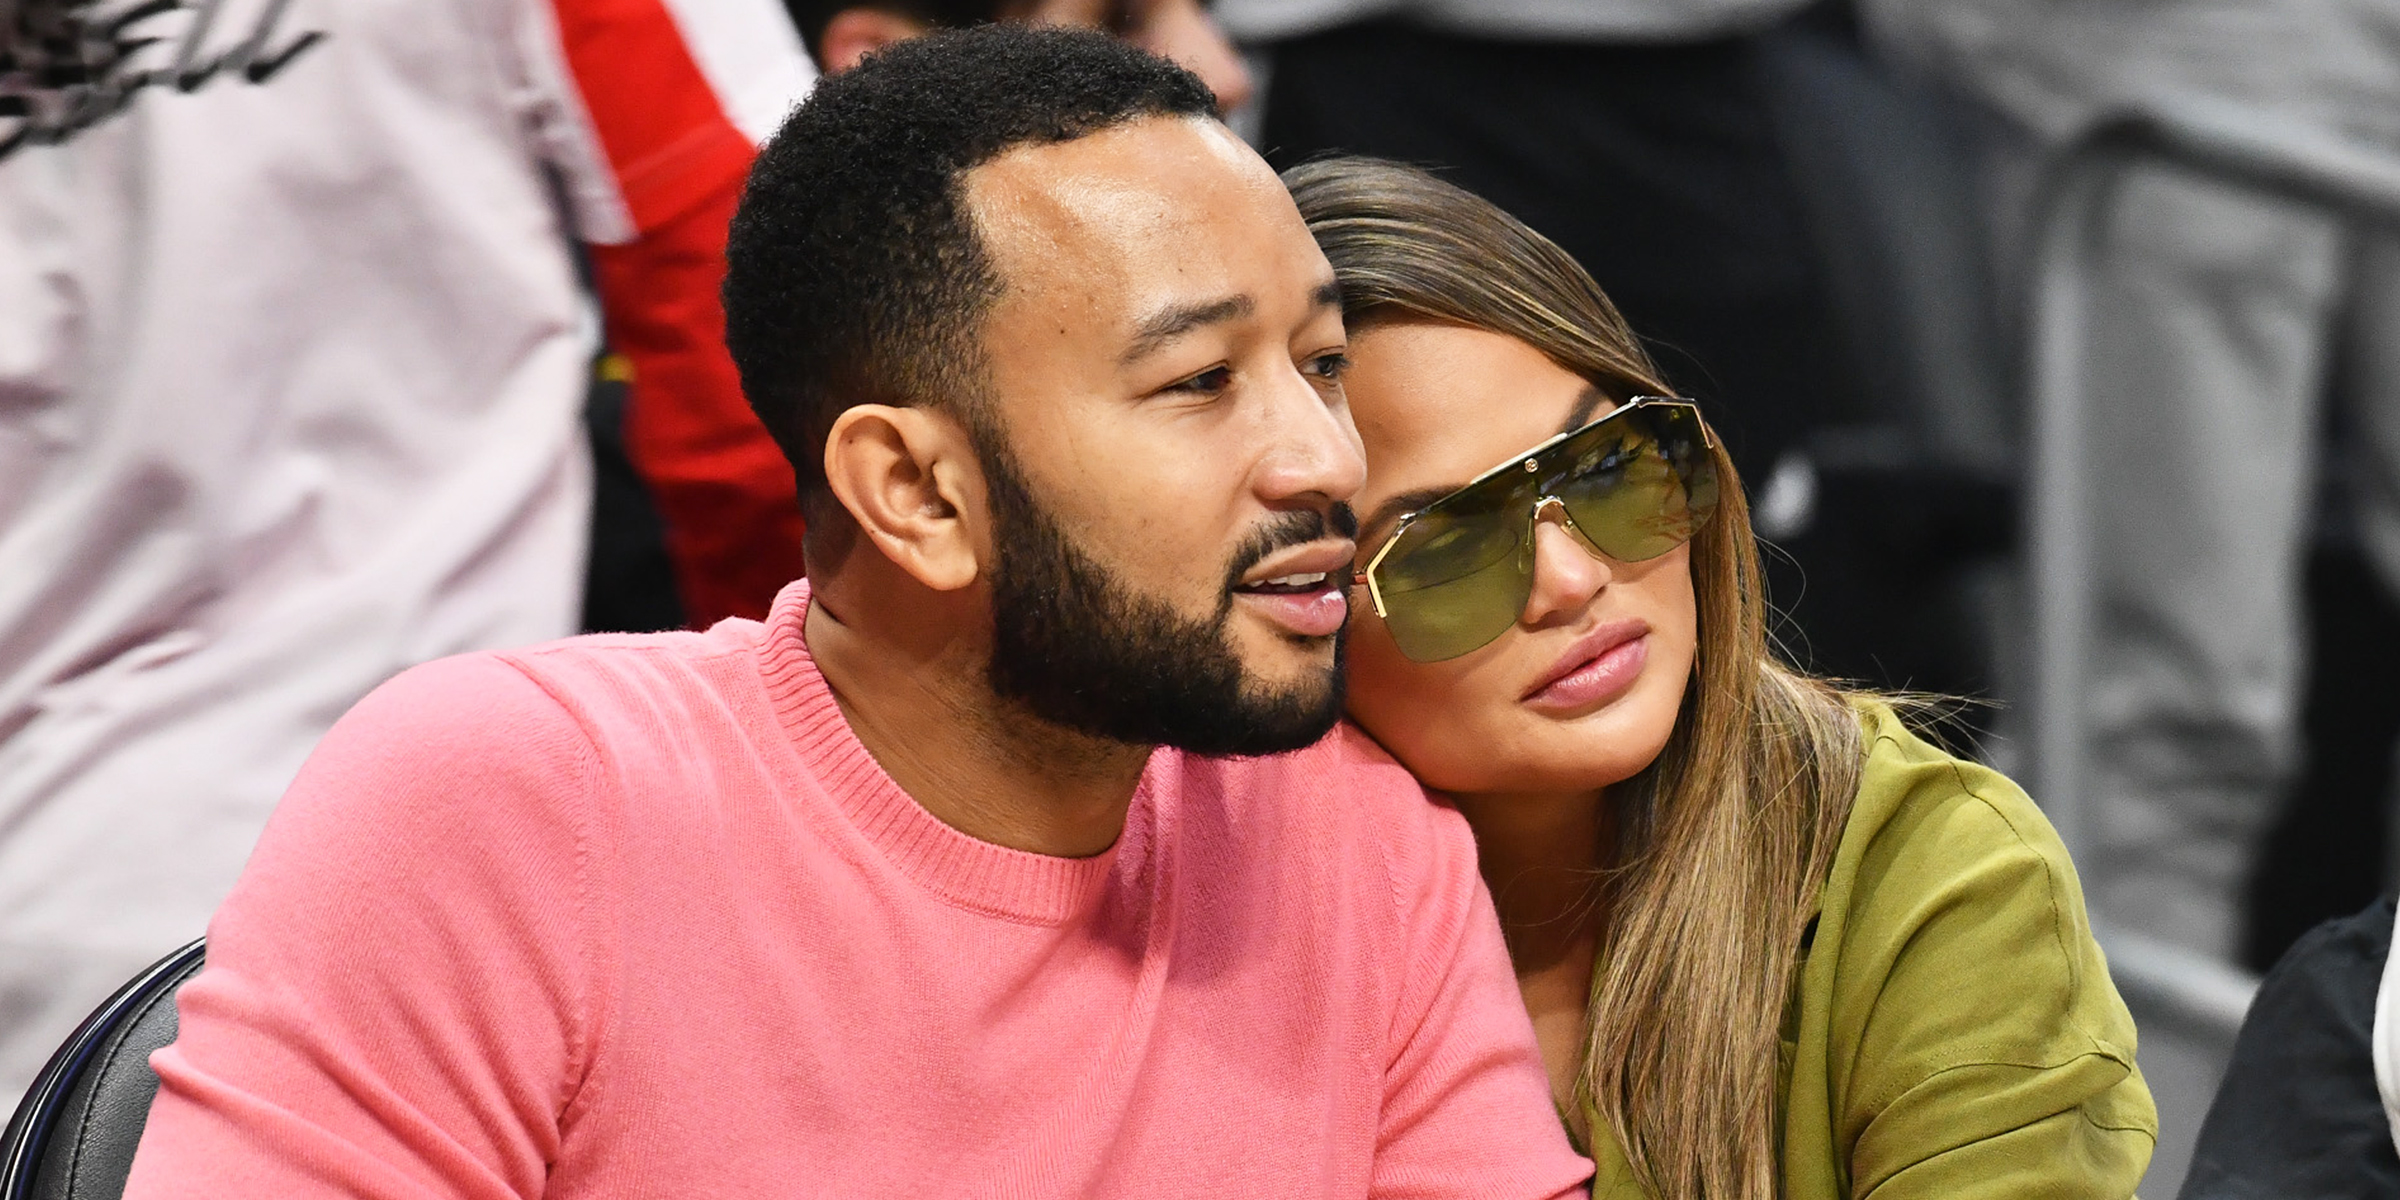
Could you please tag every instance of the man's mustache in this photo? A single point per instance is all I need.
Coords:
(1289, 529)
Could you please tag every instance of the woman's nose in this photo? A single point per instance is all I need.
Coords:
(1566, 575)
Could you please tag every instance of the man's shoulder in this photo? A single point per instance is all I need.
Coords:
(604, 653)
(600, 672)
(586, 688)
(552, 733)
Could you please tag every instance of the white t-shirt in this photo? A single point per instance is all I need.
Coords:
(292, 355)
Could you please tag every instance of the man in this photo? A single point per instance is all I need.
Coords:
(2310, 1101)
(292, 351)
(726, 496)
(893, 894)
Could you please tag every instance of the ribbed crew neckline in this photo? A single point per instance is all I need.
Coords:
(973, 874)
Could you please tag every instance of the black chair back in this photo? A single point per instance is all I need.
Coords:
(74, 1134)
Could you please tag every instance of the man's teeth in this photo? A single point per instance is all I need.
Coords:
(1293, 582)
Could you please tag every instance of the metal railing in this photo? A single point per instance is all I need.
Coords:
(2242, 149)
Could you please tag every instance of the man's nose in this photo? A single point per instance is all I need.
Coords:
(1316, 451)
(1566, 574)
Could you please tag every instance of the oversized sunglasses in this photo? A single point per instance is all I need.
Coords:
(1632, 485)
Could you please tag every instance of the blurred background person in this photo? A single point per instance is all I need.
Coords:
(292, 347)
(2221, 322)
(840, 32)
(2310, 1105)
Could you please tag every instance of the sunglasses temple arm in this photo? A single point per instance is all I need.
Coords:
(1374, 594)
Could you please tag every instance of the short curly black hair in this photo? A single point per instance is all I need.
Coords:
(854, 271)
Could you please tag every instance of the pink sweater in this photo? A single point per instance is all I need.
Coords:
(639, 916)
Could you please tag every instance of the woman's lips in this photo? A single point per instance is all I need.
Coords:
(1601, 666)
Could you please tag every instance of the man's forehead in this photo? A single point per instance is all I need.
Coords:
(1159, 196)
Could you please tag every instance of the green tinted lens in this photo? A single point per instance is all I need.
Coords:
(1640, 485)
(1455, 578)
(1637, 483)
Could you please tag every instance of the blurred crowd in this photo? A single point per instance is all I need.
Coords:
(336, 337)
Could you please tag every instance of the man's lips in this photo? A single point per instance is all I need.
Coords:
(1302, 587)
(1599, 665)
(1291, 568)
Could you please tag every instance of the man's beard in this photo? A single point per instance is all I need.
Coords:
(1082, 648)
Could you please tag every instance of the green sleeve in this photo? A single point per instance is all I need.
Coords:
(2062, 1155)
(1956, 1033)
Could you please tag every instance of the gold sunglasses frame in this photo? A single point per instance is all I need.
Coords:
(1530, 461)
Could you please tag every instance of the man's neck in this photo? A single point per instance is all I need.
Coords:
(922, 707)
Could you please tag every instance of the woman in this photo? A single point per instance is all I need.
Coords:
(1772, 942)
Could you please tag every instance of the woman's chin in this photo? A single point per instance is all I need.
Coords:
(1599, 750)
(1476, 726)
(1634, 722)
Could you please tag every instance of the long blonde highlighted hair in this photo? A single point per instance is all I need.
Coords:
(1723, 843)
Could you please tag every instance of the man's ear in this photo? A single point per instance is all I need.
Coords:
(909, 476)
(855, 33)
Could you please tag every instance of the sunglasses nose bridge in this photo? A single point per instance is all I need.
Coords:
(1546, 505)
(1527, 551)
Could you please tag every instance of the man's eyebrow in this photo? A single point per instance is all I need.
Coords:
(1403, 504)
(1167, 324)
(1585, 405)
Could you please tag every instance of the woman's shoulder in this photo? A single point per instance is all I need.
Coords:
(1921, 811)
(1953, 999)
(1953, 935)
(1929, 831)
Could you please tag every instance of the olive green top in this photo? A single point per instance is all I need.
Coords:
(1953, 1032)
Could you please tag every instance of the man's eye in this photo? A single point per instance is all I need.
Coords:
(1208, 382)
(1328, 366)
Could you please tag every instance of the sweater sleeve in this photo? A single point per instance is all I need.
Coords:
(1979, 1047)
(397, 1000)
(1466, 1105)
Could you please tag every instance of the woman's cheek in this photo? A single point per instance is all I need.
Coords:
(1429, 717)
